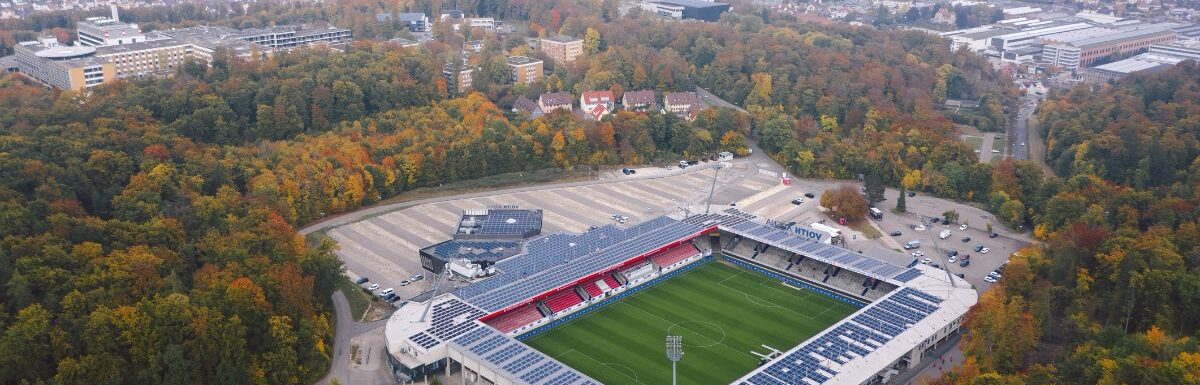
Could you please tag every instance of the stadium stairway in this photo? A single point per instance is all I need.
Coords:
(582, 293)
(621, 279)
(545, 310)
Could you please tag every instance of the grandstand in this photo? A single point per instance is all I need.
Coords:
(898, 310)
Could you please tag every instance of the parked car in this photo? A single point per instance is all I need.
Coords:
(953, 253)
(918, 254)
(962, 227)
(992, 235)
(373, 287)
(964, 263)
(978, 248)
(810, 195)
(895, 233)
(911, 194)
(361, 280)
(919, 228)
(984, 250)
(404, 283)
(927, 261)
(966, 239)
(989, 279)
(417, 277)
(798, 201)
(966, 257)
(934, 220)
(953, 259)
(387, 291)
(961, 275)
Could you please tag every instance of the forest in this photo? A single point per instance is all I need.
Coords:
(150, 224)
(1112, 293)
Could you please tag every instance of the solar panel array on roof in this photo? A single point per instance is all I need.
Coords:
(515, 360)
(556, 260)
(862, 264)
(451, 318)
(817, 361)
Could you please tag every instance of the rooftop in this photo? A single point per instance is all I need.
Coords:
(139, 46)
(562, 38)
(1128, 34)
(522, 60)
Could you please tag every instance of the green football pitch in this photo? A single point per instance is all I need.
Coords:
(722, 312)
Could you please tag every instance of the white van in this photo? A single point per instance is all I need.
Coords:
(912, 245)
(877, 214)
(387, 291)
(944, 234)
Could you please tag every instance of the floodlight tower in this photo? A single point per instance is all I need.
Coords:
(933, 237)
(717, 170)
(674, 353)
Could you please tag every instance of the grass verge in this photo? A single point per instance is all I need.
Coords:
(359, 300)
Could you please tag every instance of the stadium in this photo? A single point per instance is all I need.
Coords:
(754, 303)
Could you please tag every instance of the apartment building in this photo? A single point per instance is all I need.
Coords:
(524, 70)
(458, 80)
(562, 49)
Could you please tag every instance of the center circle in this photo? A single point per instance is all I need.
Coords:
(702, 334)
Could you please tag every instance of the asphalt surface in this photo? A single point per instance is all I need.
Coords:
(1020, 134)
(345, 330)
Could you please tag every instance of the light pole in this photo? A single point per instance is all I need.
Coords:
(674, 353)
(717, 170)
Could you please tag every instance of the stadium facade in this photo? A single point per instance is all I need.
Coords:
(905, 309)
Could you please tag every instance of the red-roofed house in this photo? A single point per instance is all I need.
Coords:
(597, 103)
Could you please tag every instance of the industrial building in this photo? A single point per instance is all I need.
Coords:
(1075, 53)
(561, 49)
(63, 67)
(1158, 58)
(686, 9)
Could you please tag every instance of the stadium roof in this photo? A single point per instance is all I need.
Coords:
(497, 223)
(926, 303)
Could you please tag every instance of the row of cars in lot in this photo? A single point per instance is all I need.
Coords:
(388, 294)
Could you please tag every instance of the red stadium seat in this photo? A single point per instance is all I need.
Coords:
(515, 319)
(563, 300)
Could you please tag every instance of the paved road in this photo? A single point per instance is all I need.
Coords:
(1019, 137)
(345, 330)
(985, 149)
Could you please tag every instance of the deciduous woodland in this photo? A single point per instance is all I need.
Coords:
(147, 229)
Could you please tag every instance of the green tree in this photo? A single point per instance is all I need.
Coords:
(591, 41)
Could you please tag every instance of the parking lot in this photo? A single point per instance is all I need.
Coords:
(385, 247)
